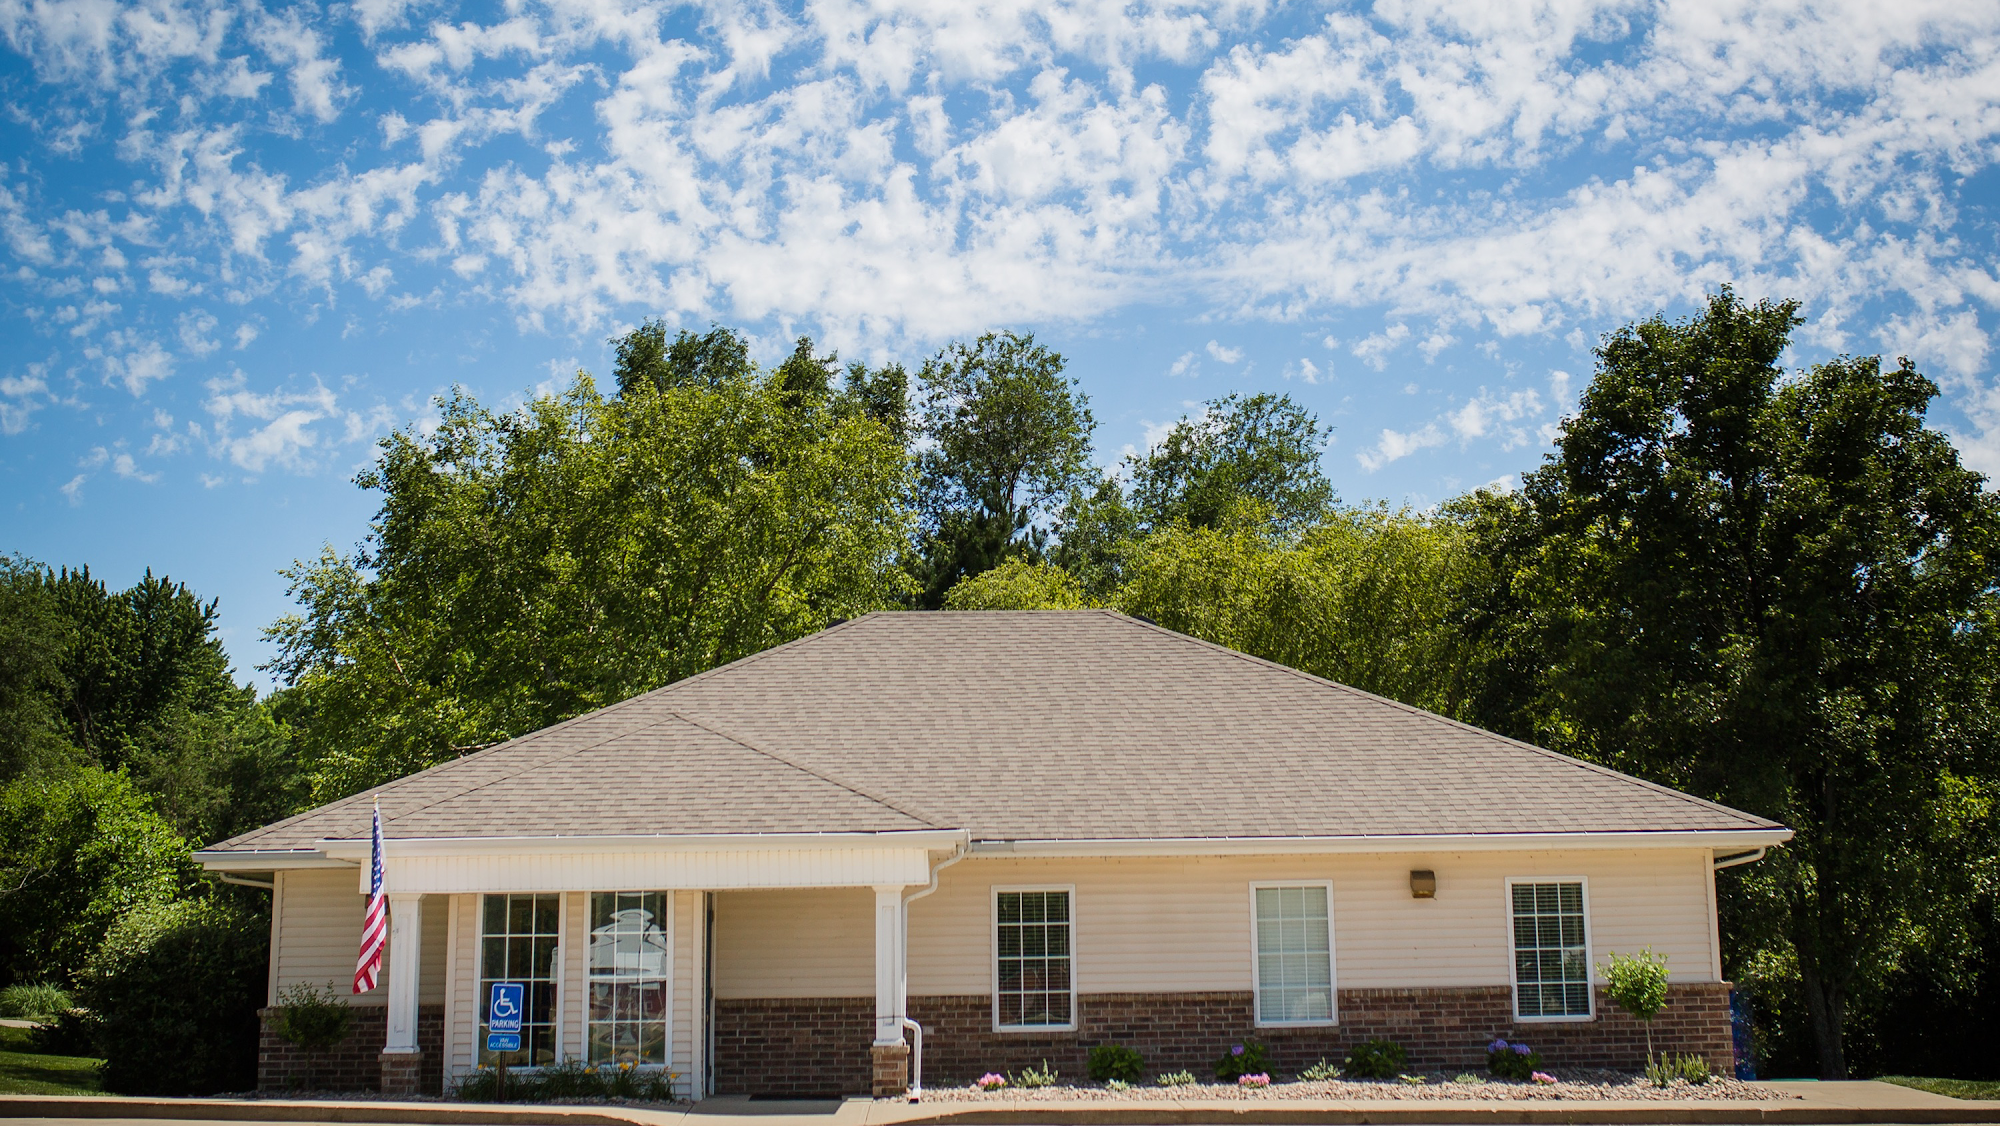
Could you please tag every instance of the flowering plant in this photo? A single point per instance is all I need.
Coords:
(1258, 1080)
(1543, 1078)
(1247, 1058)
(1512, 1061)
(991, 1082)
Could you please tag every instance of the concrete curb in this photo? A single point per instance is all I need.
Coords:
(1019, 1114)
(1434, 1114)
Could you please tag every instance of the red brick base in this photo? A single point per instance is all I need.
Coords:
(821, 1046)
(354, 1064)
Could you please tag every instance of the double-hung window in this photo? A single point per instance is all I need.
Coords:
(1551, 949)
(518, 936)
(1033, 986)
(1294, 953)
(629, 967)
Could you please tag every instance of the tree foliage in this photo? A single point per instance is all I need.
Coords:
(529, 566)
(1007, 439)
(1777, 591)
(173, 992)
(1263, 448)
(79, 848)
(1019, 584)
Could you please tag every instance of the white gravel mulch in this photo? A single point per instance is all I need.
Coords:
(1571, 1084)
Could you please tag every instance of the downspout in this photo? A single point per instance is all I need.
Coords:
(960, 852)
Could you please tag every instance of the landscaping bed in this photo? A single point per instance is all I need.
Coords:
(1570, 1084)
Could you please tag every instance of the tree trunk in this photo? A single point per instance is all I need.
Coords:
(1827, 1003)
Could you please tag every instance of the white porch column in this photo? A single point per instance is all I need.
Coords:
(406, 945)
(888, 964)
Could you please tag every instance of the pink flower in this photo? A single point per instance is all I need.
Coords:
(991, 1082)
(1258, 1080)
(1542, 1077)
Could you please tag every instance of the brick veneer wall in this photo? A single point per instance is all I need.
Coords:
(820, 1046)
(355, 1063)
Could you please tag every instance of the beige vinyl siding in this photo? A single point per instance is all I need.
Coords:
(683, 1057)
(1148, 925)
(318, 933)
(461, 1026)
(817, 942)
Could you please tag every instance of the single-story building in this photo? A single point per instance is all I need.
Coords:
(1026, 833)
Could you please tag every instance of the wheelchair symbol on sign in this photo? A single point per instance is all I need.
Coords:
(503, 1009)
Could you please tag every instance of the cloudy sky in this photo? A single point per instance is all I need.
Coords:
(241, 242)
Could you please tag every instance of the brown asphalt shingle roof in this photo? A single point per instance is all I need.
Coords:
(1080, 725)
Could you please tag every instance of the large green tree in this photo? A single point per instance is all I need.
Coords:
(1262, 448)
(1006, 440)
(1777, 590)
(531, 565)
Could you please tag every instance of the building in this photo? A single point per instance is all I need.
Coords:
(1029, 833)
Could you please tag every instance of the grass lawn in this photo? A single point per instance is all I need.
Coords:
(1956, 1088)
(24, 1073)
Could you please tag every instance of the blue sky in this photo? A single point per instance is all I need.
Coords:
(240, 242)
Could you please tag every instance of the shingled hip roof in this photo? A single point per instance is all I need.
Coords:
(1079, 727)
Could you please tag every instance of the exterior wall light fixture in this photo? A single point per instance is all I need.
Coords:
(1423, 883)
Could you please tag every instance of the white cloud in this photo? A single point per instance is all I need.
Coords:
(1374, 349)
(1185, 364)
(1226, 355)
(290, 429)
(1394, 445)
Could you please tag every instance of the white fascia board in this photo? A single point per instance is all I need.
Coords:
(1466, 842)
(271, 860)
(930, 840)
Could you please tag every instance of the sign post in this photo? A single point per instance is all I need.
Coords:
(506, 1006)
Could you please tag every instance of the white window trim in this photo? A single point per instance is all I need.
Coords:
(993, 956)
(1332, 962)
(672, 972)
(1513, 968)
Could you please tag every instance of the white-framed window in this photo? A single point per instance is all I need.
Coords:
(631, 970)
(1291, 927)
(1549, 932)
(1034, 951)
(518, 935)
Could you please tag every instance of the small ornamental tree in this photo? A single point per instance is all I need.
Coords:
(1637, 983)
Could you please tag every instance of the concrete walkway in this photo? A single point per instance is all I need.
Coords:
(1820, 1104)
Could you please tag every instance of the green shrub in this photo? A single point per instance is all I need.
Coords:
(1320, 1072)
(71, 1032)
(1637, 983)
(175, 990)
(38, 1003)
(1375, 1059)
(1663, 1071)
(1029, 1077)
(1175, 1079)
(1116, 1061)
(311, 1017)
(567, 1080)
(1512, 1061)
(1247, 1058)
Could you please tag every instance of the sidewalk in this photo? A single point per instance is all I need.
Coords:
(1821, 1104)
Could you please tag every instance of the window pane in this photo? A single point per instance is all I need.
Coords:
(1033, 942)
(1294, 963)
(629, 967)
(1551, 959)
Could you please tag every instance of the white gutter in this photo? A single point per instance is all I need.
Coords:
(345, 852)
(1718, 863)
(1422, 843)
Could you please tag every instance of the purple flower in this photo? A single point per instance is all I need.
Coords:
(1497, 1046)
(1237, 1050)
(1520, 1049)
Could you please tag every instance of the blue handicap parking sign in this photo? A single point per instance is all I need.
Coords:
(504, 1009)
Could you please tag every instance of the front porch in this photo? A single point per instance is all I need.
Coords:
(615, 941)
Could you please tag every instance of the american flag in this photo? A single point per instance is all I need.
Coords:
(375, 928)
